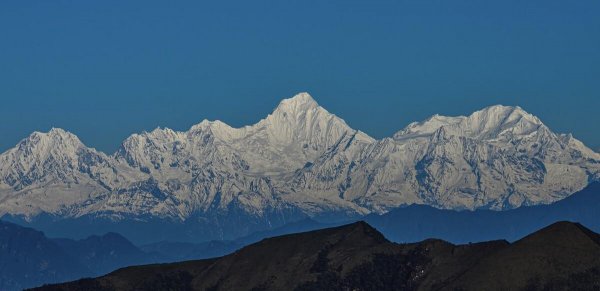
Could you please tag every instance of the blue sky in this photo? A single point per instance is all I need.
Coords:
(106, 69)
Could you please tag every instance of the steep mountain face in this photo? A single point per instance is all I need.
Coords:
(51, 172)
(497, 158)
(562, 256)
(214, 166)
(299, 161)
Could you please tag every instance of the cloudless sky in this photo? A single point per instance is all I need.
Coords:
(106, 69)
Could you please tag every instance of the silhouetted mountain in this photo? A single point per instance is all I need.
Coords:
(303, 225)
(106, 253)
(29, 259)
(418, 222)
(562, 256)
(179, 251)
(358, 257)
(98, 255)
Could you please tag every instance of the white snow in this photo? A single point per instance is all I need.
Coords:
(299, 156)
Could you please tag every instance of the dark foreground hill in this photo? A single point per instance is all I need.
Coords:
(562, 256)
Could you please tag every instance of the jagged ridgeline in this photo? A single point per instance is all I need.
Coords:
(215, 181)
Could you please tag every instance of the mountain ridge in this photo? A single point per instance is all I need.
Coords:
(299, 161)
(358, 257)
(417, 222)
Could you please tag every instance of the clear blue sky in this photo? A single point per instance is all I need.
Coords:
(106, 69)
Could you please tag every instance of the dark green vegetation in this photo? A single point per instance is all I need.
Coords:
(562, 256)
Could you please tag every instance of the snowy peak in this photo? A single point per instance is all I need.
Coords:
(218, 129)
(496, 120)
(427, 127)
(488, 123)
(498, 113)
(56, 138)
(207, 124)
(297, 131)
(158, 134)
(300, 157)
(301, 120)
(299, 103)
(56, 144)
(42, 157)
(296, 112)
(289, 119)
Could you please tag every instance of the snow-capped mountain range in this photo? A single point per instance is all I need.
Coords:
(299, 159)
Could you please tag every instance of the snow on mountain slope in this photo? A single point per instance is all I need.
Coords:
(298, 130)
(500, 157)
(49, 172)
(299, 159)
(213, 165)
(489, 123)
